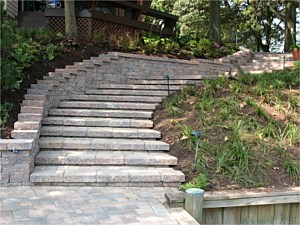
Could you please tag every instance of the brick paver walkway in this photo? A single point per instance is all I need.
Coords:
(43, 205)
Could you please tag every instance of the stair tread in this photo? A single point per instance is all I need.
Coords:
(126, 92)
(118, 113)
(107, 105)
(109, 132)
(103, 122)
(112, 174)
(101, 144)
(69, 157)
(120, 98)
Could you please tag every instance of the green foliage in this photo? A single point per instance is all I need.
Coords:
(4, 112)
(173, 106)
(150, 44)
(50, 52)
(24, 54)
(241, 138)
(19, 49)
(185, 133)
(292, 168)
(98, 38)
(11, 75)
(199, 182)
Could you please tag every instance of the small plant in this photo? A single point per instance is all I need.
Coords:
(292, 168)
(24, 55)
(50, 52)
(294, 103)
(186, 135)
(150, 44)
(4, 112)
(98, 38)
(173, 105)
(199, 182)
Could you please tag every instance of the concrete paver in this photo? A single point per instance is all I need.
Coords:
(85, 205)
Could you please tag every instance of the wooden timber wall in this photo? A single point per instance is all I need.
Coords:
(252, 207)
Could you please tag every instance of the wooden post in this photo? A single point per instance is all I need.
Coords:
(194, 203)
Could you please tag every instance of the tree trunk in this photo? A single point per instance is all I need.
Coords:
(290, 24)
(70, 20)
(214, 26)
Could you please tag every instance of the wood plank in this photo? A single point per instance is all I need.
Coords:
(213, 216)
(253, 214)
(282, 214)
(295, 213)
(251, 201)
(245, 214)
(234, 194)
(232, 215)
(265, 214)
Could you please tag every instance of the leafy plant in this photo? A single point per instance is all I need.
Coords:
(199, 182)
(50, 52)
(24, 55)
(292, 168)
(4, 112)
(98, 38)
(150, 44)
(11, 75)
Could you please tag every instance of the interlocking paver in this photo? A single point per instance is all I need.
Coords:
(85, 205)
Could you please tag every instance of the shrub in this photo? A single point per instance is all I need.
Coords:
(4, 112)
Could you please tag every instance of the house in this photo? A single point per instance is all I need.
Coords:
(107, 17)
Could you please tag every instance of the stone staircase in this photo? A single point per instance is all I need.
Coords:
(257, 63)
(98, 129)
(92, 120)
(104, 137)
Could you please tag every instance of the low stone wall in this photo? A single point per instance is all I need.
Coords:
(18, 154)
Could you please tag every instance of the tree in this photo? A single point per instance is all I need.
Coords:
(214, 26)
(290, 25)
(70, 20)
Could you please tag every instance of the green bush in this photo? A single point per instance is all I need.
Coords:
(19, 49)
(4, 112)
(150, 44)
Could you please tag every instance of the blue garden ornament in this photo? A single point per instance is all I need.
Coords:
(197, 134)
(166, 77)
(55, 4)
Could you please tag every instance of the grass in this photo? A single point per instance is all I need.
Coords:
(250, 127)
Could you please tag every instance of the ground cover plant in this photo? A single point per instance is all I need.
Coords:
(249, 131)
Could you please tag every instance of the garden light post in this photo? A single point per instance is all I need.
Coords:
(166, 77)
(197, 134)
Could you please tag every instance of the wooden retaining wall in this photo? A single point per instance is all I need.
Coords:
(252, 207)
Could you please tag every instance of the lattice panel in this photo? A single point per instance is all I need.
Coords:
(56, 24)
(108, 28)
(88, 26)
(84, 28)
